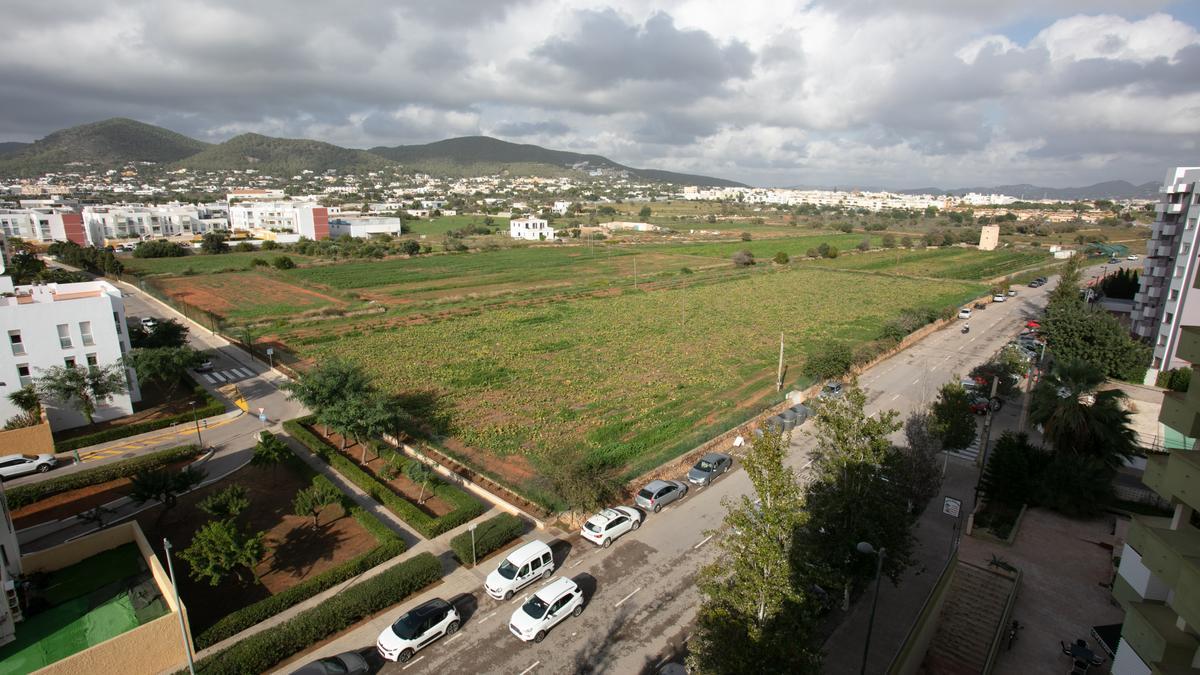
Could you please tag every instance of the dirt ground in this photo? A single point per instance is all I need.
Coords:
(296, 550)
(73, 502)
(222, 293)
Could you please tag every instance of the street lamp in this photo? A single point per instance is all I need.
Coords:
(866, 549)
(195, 421)
(187, 648)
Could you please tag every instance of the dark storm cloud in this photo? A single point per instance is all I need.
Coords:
(521, 129)
(607, 50)
(673, 128)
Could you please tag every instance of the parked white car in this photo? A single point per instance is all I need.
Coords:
(602, 528)
(999, 298)
(12, 466)
(521, 567)
(417, 628)
(546, 608)
(1131, 257)
(964, 313)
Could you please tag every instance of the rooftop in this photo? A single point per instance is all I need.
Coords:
(46, 293)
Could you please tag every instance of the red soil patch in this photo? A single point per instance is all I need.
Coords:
(221, 293)
(296, 550)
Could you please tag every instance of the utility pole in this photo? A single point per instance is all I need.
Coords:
(779, 377)
(983, 448)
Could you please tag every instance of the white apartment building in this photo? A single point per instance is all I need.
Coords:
(43, 225)
(47, 325)
(254, 194)
(300, 218)
(530, 229)
(113, 223)
(561, 207)
(361, 227)
(1166, 301)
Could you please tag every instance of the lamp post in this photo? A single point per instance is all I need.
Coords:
(866, 549)
(197, 423)
(187, 647)
(473, 561)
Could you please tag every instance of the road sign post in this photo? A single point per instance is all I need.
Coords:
(271, 356)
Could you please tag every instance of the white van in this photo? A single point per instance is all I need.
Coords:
(519, 569)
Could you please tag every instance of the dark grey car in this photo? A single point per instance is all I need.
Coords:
(709, 467)
(348, 663)
(659, 493)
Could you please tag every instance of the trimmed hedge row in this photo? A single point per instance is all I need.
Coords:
(491, 535)
(261, 651)
(466, 506)
(389, 547)
(24, 495)
(211, 407)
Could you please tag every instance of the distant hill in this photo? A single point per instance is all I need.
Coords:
(1113, 189)
(9, 147)
(481, 155)
(280, 156)
(112, 142)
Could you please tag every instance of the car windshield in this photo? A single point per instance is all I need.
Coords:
(406, 627)
(334, 666)
(535, 607)
(29, 457)
(704, 465)
(507, 570)
(591, 526)
(646, 494)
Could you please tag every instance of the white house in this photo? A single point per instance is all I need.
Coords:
(48, 325)
(530, 228)
(561, 207)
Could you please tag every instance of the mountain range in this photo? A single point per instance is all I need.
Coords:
(116, 142)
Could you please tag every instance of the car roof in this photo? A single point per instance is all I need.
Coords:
(607, 515)
(429, 607)
(714, 456)
(657, 484)
(528, 550)
(555, 588)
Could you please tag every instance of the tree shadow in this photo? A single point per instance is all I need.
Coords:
(303, 547)
(432, 417)
(561, 549)
(595, 655)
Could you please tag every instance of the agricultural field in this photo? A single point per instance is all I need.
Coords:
(241, 296)
(942, 263)
(631, 379)
(443, 224)
(202, 263)
(765, 249)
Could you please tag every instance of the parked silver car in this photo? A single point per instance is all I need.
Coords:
(659, 493)
(12, 466)
(709, 467)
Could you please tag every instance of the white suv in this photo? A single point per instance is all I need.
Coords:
(609, 524)
(546, 608)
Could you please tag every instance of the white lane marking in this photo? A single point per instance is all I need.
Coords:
(622, 600)
(702, 542)
(535, 665)
(487, 617)
(947, 358)
(973, 339)
(248, 372)
(576, 564)
(896, 396)
(209, 378)
(219, 376)
(239, 372)
(413, 662)
(230, 375)
(917, 381)
(454, 638)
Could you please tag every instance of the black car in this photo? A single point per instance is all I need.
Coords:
(348, 663)
(980, 305)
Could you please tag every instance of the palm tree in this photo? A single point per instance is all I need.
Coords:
(1080, 420)
(26, 398)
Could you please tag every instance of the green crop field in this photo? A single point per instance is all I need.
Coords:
(765, 249)
(203, 264)
(944, 263)
(632, 379)
(443, 224)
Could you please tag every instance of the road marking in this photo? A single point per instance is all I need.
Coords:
(487, 617)
(535, 665)
(896, 396)
(245, 372)
(702, 542)
(219, 376)
(947, 358)
(413, 662)
(973, 339)
(209, 378)
(454, 638)
(917, 381)
(576, 564)
(622, 600)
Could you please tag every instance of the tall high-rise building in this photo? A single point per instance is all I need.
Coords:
(1166, 301)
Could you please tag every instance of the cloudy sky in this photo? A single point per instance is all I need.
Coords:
(894, 93)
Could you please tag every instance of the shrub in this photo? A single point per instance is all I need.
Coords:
(906, 241)
(210, 407)
(865, 244)
(159, 248)
(1176, 379)
(812, 253)
(829, 361)
(259, 262)
(491, 535)
(746, 236)
(781, 258)
(243, 247)
(227, 503)
(466, 506)
(269, 245)
(686, 270)
(259, 652)
(743, 259)
(282, 262)
(830, 252)
(23, 495)
(889, 241)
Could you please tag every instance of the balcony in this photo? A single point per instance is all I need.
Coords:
(1180, 414)
(1165, 230)
(1155, 291)
(1188, 347)
(1164, 251)
(1150, 629)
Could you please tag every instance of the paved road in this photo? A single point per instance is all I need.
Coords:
(641, 593)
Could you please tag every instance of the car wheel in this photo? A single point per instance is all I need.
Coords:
(546, 574)
(508, 595)
(657, 508)
(452, 628)
(577, 611)
(541, 635)
(43, 468)
(607, 543)
(405, 656)
(636, 524)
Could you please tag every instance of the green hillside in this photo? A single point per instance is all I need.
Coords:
(112, 142)
(281, 155)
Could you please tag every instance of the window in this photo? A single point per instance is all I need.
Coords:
(117, 322)
(18, 347)
(69, 362)
(85, 332)
(64, 336)
(91, 360)
(23, 374)
(1175, 295)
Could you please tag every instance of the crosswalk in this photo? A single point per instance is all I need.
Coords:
(225, 376)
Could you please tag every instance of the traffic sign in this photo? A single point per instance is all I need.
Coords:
(952, 507)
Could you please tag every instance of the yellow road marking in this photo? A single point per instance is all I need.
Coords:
(176, 431)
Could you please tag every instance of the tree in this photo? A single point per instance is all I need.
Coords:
(27, 400)
(1075, 331)
(743, 259)
(328, 385)
(410, 247)
(421, 474)
(313, 499)
(159, 248)
(829, 360)
(163, 486)
(270, 451)
(25, 267)
(953, 420)
(889, 241)
(1069, 278)
(644, 214)
(214, 242)
(227, 503)
(83, 389)
(220, 548)
(855, 494)
(781, 258)
(582, 481)
(166, 333)
(1014, 468)
(1078, 419)
(755, 605)
(166, 366)
(919, 471)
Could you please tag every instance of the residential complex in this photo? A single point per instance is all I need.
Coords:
(43, 225)
(1162, 305)
(74, 325)
(114, 223)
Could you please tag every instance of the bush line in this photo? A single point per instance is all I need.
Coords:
(261, 651)
(466, 506)
(491, 535)
(211, 407)
(24, 495)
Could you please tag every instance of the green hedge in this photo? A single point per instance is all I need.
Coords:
(466, 507)
(389, 547)
(261, 651)
(211, 407)
(491, 535)
(24, 495)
